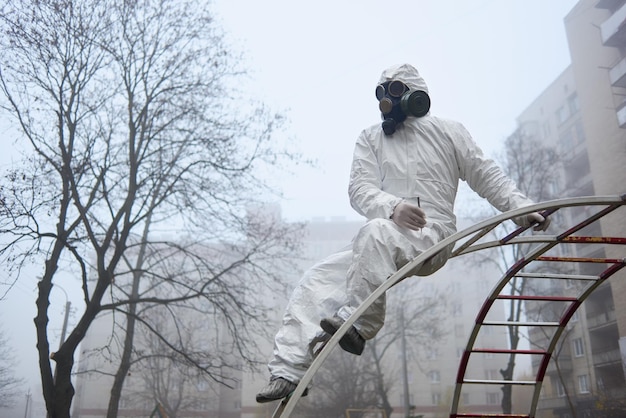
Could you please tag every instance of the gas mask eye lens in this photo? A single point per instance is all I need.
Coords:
(380, 92)
(397, 88)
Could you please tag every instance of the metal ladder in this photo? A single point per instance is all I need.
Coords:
(469, 241)
(570, 304)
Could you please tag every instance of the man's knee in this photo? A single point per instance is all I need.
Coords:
(377, 229)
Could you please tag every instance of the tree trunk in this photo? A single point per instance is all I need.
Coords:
(380, 384)
(124, 367)
(507, 374)
(43, 347)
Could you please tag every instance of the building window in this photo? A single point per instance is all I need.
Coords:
(493, 398)
(572, 103)
(579, 347)
(566, 141)
(562, 114)
(580, 131)
(434, 376)
(202, 385)
(433, 354)
(583, 384)
(436, 397)
(560, 390)
(546, 130)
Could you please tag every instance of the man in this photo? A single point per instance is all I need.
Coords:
(404, 179)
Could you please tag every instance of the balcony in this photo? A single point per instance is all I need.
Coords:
(617, 74)
(601, 319)
(564, 361)
(613, 30)
(609, 4)
(553, 403)
(605, 358)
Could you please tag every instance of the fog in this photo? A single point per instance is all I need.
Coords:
(319, 62)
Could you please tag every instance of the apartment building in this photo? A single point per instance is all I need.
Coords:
(583, 114)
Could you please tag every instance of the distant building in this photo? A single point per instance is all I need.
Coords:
(583, 114)
(462, 284)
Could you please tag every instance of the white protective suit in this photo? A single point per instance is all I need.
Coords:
(426, 157)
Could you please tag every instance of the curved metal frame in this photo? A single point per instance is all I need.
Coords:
(475, 233)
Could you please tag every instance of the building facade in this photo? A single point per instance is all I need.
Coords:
(582, 113)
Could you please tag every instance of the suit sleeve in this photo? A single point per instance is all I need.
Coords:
(485, 177)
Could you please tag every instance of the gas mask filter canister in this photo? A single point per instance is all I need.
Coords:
(397, 101)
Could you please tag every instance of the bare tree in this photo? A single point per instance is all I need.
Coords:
(10, 385)
(167, 378)
(136, 126)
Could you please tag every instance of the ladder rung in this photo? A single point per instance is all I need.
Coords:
(522, 324)
(581, 259)
(535, 297)
(507, 351)
(594, 240)
(475, 415)
(500, 382)
(557, 276)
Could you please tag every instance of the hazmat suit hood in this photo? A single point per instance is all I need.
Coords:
(405, 73)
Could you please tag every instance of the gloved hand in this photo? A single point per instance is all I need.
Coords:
(407, 215)
(531, 218)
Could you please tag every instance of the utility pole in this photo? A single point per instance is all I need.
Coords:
(66, 316)
(68, 305)
(28, 395)
(405, 372)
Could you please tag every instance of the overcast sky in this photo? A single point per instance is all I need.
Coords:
(484, 62)
(319, 61)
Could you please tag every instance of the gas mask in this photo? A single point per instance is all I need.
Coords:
(397, 101)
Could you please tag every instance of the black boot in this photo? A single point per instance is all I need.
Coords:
(352, 342)
(277, 388)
